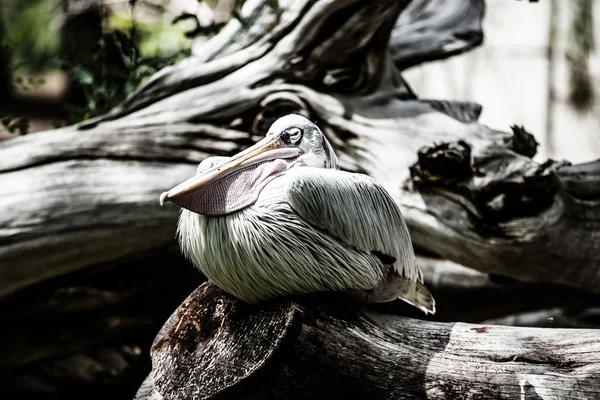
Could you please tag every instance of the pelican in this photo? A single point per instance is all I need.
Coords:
(281, 219)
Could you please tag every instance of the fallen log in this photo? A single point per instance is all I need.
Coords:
(52, 345)
(214, 346)
(86, 195)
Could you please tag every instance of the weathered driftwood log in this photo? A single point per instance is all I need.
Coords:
(52, 343)
(86, 195)
(217, 347)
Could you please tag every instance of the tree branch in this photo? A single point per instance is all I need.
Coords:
(434, 29)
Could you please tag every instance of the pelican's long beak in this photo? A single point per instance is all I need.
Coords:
(268, 148)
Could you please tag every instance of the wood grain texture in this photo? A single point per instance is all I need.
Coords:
(103, 175)
(435, 29)
(330, 349)
(583, 316)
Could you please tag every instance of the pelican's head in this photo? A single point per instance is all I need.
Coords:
(235, 183)
(295, 131)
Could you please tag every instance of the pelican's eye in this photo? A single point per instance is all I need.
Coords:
(292, 136)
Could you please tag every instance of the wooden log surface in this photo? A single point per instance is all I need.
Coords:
(464, 294)
(214, 346)
(86, 195)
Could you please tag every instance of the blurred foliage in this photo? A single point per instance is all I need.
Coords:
(102, 75)
(128, 53)
(580, 47)
(127, 49)
(16, 124)
(31, 29)
(116, 68)
(152, 40)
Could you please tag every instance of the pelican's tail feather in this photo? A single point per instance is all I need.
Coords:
(420, 297)
(414, 293)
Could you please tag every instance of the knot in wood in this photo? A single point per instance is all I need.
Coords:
(276, 105)
(508, 195)
(213, 341)
(444, 163)
(522, 142)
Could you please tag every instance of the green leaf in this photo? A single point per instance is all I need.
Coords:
(14, 123)
(23, 126)
(18, 66)
(82, 75)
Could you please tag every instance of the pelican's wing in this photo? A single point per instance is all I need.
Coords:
(354, 209)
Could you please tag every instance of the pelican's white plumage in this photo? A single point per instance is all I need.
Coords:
(311, 228)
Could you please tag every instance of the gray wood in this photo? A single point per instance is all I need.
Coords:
(216, 347)
(147, 391)
(584, 317)
(87, 194)
(467, 295)
(424, 32)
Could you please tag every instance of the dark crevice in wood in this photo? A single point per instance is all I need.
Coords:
(446, 163)
(58, 315)
(322, 60)
(463, 111)
(497, 193)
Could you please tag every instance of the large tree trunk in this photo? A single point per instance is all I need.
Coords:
(84, 199)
